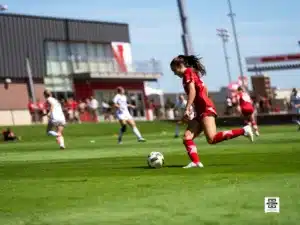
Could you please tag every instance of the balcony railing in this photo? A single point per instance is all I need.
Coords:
(110, 68)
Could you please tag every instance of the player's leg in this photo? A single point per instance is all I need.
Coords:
(296, 119)
(253, 123)
(50, 130)
(177, 129)
(122, 130)
(193, 130)
(60, 137)
(214, 137)
(135, 130)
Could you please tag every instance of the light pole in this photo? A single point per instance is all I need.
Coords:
(186, 39)
(237, 47)
(223, 34)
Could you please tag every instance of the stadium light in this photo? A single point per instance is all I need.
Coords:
(223, 34)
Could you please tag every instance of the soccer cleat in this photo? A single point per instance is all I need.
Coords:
(62, 147)
(141, 140)
(120, 142)
(256, 133)
(248, 133)
(176, 136)
(194, 165)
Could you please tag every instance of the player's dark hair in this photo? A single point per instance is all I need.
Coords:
(47, 93)
(189, 61)
(240, 88)
(120, 89)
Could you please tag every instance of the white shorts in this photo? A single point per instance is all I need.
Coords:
(57, 122)
(124, 116)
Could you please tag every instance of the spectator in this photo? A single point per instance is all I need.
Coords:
(228, 106)
(8, 135)
(41, 110)
(81, 106)
(64, 107)
(94, 105)
(32, 110)
(72, 110)
(106, 111)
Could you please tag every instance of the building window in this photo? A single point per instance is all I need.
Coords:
(63, 60)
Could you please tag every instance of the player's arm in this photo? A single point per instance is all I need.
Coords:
(238, 106)
(50, 108)
(191, 97)
(131, 106)
(115, 101)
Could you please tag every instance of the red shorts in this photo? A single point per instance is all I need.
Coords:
(247, 111)
(209, 111)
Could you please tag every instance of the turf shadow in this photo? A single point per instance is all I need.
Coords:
(149, 168)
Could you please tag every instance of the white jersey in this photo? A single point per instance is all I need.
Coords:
(122, 112)
(57, 113)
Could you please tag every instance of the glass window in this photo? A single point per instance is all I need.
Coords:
(111, 64)
(102, 62)
(92, 57)
(58, 67)
(63, 58)
(79, 58)
(52, 51)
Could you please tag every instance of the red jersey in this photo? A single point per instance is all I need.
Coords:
(74, 105)
(41, 105)
(244, 100)
(203, 104)
(31, 107)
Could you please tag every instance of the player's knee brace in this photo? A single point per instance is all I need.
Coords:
(124, 128)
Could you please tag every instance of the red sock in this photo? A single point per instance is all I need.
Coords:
(191, 150)
(254, 125)
(226, 135)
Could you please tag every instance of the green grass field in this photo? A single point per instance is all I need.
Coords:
(102, 183)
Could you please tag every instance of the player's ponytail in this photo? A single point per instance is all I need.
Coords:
(195, 63)
(189, 61)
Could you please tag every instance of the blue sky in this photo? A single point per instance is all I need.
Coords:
(264, 27)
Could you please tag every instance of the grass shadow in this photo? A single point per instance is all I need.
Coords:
(165, 166)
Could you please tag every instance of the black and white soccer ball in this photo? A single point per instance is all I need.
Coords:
(155, 160)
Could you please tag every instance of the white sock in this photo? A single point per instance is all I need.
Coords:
(298, 122)
(61, 141)
(52, 133)
(137, 132)
(177, 130)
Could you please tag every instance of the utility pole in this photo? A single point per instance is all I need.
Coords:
(223, 34)
(237, 47)
(186, 38)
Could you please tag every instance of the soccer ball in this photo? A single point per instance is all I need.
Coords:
(155, 160)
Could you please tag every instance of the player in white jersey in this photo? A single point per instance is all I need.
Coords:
(56, 119)
(295, 103)
(123, 115)
(180, 106)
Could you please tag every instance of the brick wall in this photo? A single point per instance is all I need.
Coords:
(16, 95)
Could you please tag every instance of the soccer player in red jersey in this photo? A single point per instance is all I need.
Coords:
(190, 69)
(246, 108)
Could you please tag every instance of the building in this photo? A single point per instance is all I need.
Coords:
(69, 57)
